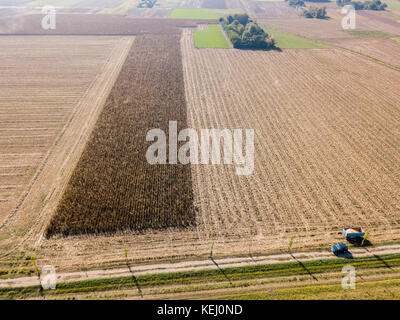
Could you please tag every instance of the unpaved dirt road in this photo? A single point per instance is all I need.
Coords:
(197, 265)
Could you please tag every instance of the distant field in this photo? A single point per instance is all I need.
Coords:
(210, 38)
(325, 110)
(192, 13)
(56, 3)
(384, 49)
(286, 40)
(42, 81)
(369, 34)
(78, 3)
(393, 5)
(122, 8)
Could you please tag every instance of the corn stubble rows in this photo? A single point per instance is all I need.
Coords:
(113, 187)
(326, 140)
(42, 80)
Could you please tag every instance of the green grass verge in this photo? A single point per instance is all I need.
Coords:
(368, 34)
(385, 289)
(397, 39)
(192, 277)
(286, 40)
(192, 13)
(210, 38)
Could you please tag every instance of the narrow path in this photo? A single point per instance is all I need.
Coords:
(197, 265)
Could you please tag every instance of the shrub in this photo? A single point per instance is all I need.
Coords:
(315, 12)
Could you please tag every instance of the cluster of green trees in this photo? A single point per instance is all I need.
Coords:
(366, 5)
(295, 3)
(244, 33)
(147, 3)
(315, 12)
(309, 12)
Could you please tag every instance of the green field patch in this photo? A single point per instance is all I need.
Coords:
(396, 39)
(286, 40)
(210, 38)
(368, 34)
(192, 13)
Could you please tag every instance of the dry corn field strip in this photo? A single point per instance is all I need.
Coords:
(326, 140)
(113, 186)
(70, 73)
(41, 82)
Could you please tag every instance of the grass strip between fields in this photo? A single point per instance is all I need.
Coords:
(286, 40)
(192, 13)
(210, 38)
(314, 267)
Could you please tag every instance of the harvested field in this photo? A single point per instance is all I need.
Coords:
(386, 50)
(373, 21)
(234, 4)
(214, 4)
(310, 28)
(272, 10)
(113, 187)
(330, 28)
(326, 140)
(42, 80)
(191, 4)
(121, 8)
(78, 24)
(149, 13)
(286, 40)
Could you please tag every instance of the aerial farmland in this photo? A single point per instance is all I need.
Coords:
(204, 148)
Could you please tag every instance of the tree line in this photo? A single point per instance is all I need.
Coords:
(244, 33)
(366, 5)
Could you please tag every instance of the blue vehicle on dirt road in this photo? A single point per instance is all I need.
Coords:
(339, 248)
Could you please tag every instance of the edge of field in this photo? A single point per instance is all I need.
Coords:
(228, 278)
(29, 218)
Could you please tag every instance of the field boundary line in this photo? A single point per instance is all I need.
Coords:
(363, 55)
